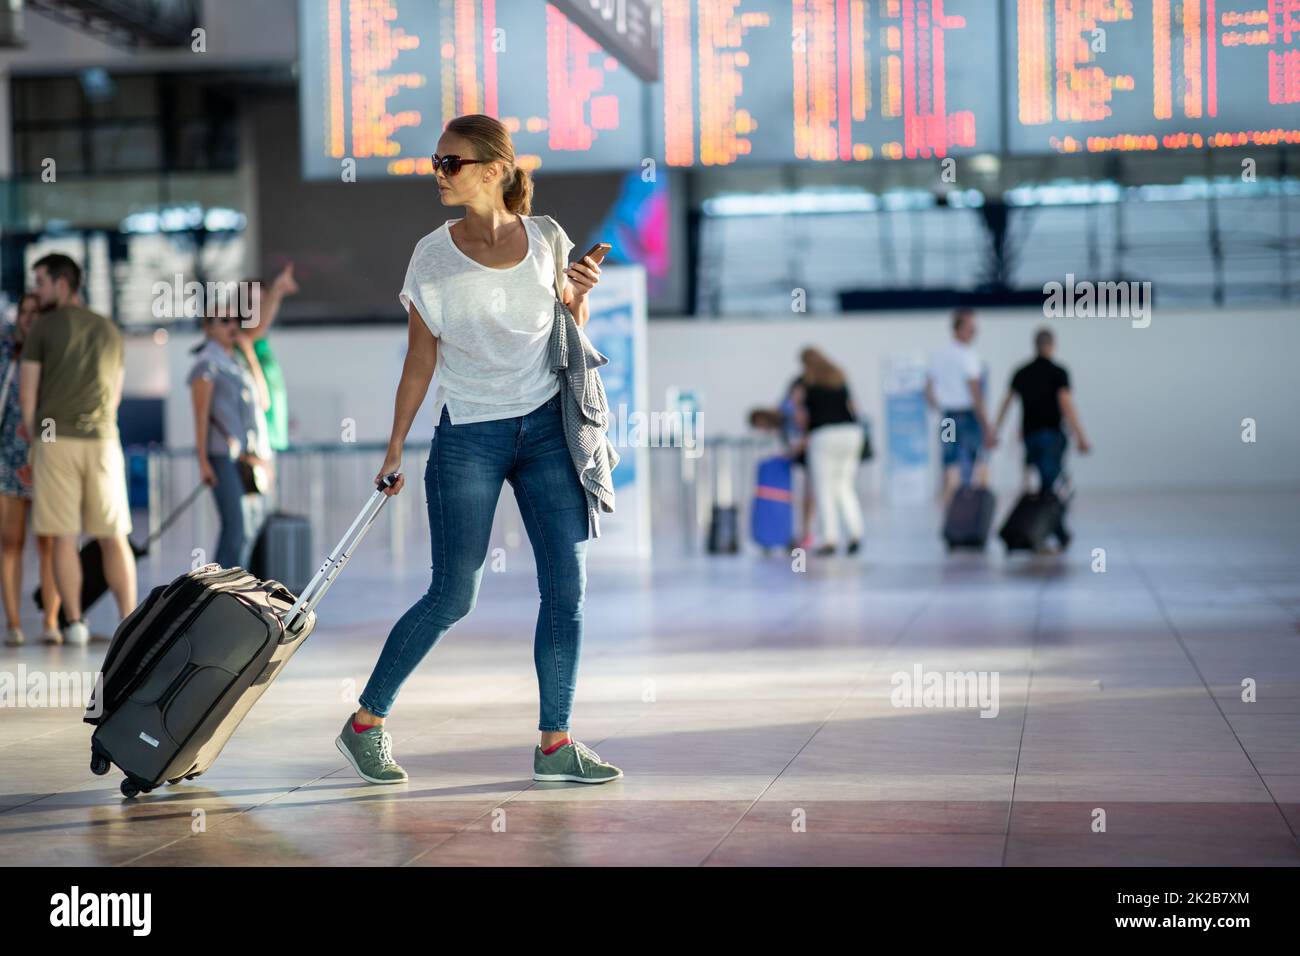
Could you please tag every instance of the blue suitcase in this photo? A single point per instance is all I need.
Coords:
(771, 520)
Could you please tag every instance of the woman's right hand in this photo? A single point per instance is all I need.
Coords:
(393, 463)
(206, 474)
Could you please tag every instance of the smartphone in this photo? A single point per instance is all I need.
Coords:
(597, 252)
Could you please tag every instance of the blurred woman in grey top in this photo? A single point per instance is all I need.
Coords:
(227, 398)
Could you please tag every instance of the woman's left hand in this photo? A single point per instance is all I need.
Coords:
(583, 276)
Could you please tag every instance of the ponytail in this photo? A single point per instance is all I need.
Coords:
(519, 195)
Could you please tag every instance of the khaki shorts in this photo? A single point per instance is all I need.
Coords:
(79, 485)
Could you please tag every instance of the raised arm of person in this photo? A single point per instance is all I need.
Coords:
(1071, 415)
(417, 372)
(244, 342)
(282, 286)
(201, 398)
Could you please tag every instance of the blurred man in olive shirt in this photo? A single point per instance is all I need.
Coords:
(71, 386)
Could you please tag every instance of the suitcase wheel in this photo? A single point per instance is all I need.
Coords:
(129, 789)
(99, 764)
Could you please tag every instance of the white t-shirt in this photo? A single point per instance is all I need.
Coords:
(951, 370)
(493, 325)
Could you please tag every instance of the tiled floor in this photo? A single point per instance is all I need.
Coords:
(750, 706)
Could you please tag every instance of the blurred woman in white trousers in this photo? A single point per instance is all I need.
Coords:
(835, 440)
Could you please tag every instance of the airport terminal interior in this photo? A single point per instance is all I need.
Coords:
(740, 698)
(834, 617)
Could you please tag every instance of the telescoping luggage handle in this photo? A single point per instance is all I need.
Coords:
(321, 581)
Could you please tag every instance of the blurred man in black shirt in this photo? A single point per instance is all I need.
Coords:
(1046, 401)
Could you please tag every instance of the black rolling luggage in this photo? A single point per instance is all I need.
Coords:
(93, 582)
(190, 662)
(1034, 519)
(724, 521)
(969, 517)
(283, 551)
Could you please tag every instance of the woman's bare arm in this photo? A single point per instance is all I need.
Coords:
(201, 397)
(245, 345)
(580, 279)
(417, 372)
(282, 286)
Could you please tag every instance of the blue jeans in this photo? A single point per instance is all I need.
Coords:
(462, 482)
(241, 515)
(1045, 450)
(964, 449)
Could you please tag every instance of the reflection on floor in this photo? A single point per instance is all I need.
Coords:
(754, 710)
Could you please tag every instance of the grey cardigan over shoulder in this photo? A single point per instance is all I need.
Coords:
(583, 405)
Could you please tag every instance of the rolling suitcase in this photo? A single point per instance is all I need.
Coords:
(93, 582)
(190, 662)
(969, 517)
(1032, 521)
(771, 517)
(724, 530)
(724, 520)
(283, 551)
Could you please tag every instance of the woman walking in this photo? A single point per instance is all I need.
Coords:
(226, 396)
(16, 492)
(835, 440)
(480, 301)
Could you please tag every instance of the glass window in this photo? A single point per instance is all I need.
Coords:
(127, 147)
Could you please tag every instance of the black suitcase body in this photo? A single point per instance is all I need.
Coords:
(185, 668)
(188, 664)
(724, 530)
(1032, 521)
(283, 551)
(969, 518)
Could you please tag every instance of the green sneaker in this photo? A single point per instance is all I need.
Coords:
(371, 754)
(574, 761)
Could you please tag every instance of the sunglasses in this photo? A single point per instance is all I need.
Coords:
(451, 164)
(223, 319)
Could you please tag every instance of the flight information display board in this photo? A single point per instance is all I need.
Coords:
(627, 28)
(1135, 75)
(827, 80)
(379, 80)
(604, 84)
